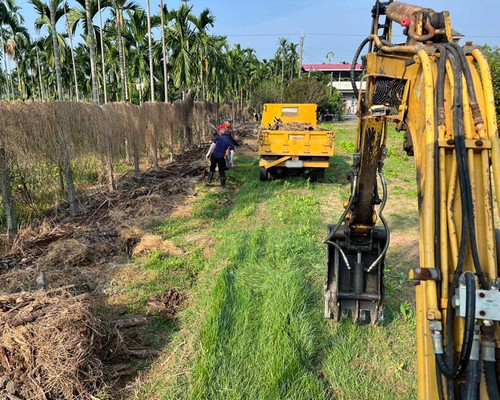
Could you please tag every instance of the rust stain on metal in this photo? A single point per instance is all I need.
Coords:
(398, 11)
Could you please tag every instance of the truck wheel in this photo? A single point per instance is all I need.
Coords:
(321, 175)
(263, 174)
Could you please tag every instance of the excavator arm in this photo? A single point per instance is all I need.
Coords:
(441, 95)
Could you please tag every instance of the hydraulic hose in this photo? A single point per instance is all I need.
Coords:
(491, 380)
(488, 357)
(468, 337)
(354, 190)
(473, 371)
(440, 120)
(458, 124)
(439, 384)
(462, 156)
(440, 84)
(464, 67)
(478, 118)
(353, 65)
(439, 110)
(384, 222)
(473, 376)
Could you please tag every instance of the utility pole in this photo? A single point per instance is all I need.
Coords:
(329, 56)
(301, 53)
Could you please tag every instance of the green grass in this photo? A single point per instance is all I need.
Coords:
(167, 271)
(254, 328)
(262, 324)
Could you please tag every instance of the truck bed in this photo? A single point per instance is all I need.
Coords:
(296, 143)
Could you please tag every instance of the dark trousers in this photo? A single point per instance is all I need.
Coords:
(221, 163)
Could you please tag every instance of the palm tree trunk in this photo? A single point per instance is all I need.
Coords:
(164, 52)
(151, 81)
(137, 169)
(33, 85)
(109, 164)
(39, 74)
(127, 90)
(70, 184)
(154, 150)
(9, 73)
(119, 37)
(90, 38)
(67, 171)
(183, 140)
(127, 152)
(72, 56)
(19, 83)
(102, 54)
(282, 77)
(52, 8)
(6, 191)
(4, 53)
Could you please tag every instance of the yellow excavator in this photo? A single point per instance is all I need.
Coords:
(441, 95)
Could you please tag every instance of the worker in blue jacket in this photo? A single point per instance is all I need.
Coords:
(217, 153)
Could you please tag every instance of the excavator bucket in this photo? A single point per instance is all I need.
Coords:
(354, 280)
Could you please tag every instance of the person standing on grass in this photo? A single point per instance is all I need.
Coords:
(221, 145)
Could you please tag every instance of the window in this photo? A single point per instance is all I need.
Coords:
(289, 111)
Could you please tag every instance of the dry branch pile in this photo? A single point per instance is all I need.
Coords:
(291, 126)
(52, 346)
(73, 251)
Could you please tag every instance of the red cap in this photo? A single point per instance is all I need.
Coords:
(405, 22)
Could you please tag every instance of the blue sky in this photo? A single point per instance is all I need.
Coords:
(328, 25)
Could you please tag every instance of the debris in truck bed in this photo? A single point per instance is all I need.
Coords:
(291, 126)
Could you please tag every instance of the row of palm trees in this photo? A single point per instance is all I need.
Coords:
(116, 56)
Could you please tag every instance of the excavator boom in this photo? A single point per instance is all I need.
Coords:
(440, 94)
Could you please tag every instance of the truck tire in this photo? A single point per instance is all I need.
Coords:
(321, 175)
(263, 174)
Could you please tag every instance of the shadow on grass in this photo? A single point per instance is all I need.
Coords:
(340, 166)
(245, 192)
(403, 222)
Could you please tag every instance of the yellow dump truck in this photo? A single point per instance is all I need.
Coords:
(290, 143)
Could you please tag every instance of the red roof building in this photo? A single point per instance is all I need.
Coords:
(329, 67)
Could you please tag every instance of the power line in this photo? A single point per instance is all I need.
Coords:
(262, 34)
(336, 34)
(314, 59)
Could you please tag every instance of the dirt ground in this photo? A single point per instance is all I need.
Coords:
(82, 255)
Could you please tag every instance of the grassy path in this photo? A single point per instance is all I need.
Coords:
(253, 327)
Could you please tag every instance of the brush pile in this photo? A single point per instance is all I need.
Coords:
(74, 251)
(52, 346)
